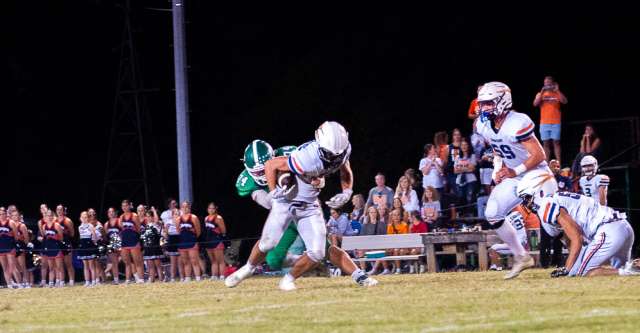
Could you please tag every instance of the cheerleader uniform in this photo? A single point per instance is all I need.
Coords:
(66, 237)
(87, 249)
(212, 234)
(129, 234)
(52, 245)
(7, 240)
(152, 249)
(21, 246)
(174, 238)
(188, 239)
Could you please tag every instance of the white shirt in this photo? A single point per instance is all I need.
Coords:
(433, 177)
(413, 204)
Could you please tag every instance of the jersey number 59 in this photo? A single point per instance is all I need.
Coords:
(504, 151)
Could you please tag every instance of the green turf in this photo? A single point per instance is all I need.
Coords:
(445, 302)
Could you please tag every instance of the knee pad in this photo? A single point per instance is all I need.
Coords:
(266, 244)
(316, 255)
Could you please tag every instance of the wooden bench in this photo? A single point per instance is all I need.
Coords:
(383, 242)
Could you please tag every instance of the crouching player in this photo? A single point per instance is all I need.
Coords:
(597, 235)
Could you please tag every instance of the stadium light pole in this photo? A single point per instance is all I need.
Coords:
(182, 102)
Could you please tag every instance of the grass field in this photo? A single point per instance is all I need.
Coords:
(444, 302)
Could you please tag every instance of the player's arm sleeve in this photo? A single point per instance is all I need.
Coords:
(243, 185)
(295, 162)
(549, 212)
(524, 129)
(262, 198)
(604, 181)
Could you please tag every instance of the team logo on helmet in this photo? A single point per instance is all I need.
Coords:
(257, 153)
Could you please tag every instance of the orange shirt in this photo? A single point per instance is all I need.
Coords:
(473, 108)
(550, 108)
(401, 228)
(531, 220)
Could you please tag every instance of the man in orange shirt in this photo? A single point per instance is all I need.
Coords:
(549, 100)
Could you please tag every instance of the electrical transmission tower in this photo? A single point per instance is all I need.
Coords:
(128, 173)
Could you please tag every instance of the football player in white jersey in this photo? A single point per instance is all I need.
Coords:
(496, 250)
(298, 202)
(592, 184)
(597, 235)
(517, 151)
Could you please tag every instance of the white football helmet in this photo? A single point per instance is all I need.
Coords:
(535, 185)
(498, 95)
(333, 140)
(589, 165)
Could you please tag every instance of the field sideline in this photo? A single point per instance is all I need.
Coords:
(444, 302)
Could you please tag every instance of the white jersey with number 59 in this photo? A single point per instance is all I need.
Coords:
(507, 140)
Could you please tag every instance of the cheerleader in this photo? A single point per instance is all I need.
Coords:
(113, 232)
(213, 236)
(172, 235)
(69, 233)
(87, 250)
(8, 233)
(99, 240)
(189, 227)
(53, 252)
(151, 242)
(44, 268)
(20, 273)
(130, 235)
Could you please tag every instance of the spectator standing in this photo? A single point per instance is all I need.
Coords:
(167, 215)
(414, 180)
(485, 166)
(464, 169)
(358, 207)
(453, 153)
(380, 194)
(430, 205)
(407, 195)
(549, 100)
(432, 170)
(441, 141)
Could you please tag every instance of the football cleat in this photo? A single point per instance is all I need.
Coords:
(521, 263)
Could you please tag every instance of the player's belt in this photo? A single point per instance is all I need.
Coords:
(303, 205)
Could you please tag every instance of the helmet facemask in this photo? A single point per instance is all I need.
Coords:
(330, 158)
(588, 170)
(258, 175)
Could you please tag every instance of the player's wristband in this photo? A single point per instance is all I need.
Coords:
(520, 169)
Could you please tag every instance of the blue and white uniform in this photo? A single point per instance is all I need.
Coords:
(590, 186)
(517, 221)
(608, 237)
(302, 207)
(87, 249)
(506, 142)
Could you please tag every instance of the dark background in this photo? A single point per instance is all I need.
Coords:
(392, 77)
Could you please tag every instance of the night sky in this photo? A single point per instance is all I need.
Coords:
(392, 77)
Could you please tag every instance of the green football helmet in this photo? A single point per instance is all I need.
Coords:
(284, 151)
(255, 155)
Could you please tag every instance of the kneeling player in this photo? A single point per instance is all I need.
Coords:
(597, 235)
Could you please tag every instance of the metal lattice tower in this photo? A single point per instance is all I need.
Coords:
(127, 173)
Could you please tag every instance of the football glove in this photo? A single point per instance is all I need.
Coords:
(559, 272)
(282, 192)
(340, 199)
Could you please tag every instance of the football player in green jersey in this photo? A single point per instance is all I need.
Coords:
(252, 181)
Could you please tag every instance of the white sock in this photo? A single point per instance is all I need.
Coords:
(507, 233)
(289, 278)
(357, 274)
(250, 266)
(221, 277)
